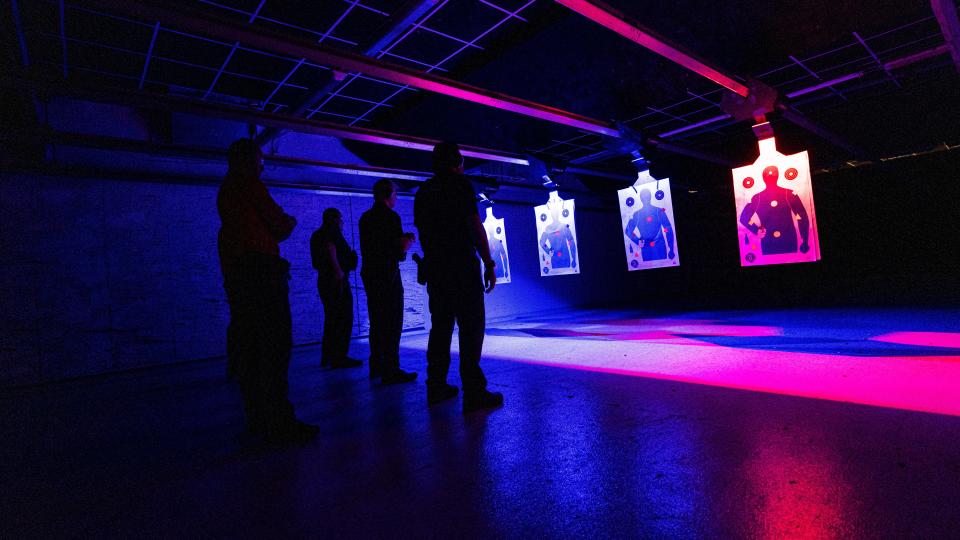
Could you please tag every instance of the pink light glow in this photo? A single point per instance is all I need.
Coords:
(663, 349)
(949, 340)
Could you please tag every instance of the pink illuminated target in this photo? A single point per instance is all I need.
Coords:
(776, 222)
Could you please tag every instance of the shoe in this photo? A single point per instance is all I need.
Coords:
(345, 363)
(482, 400)
(398, 377)
(294, 432)
(440, 394)
(375, 371)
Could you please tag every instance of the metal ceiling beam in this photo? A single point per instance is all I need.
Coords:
(612, 19)
(346, 61)
(188, 105)
(946, 12)
(121, 144)
(406, 21)
(632, 30)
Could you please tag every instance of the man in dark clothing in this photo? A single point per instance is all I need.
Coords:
(255, 278)
(451, 234)
(334, 260)
(383, 245)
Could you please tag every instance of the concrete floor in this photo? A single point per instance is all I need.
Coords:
(626, 434)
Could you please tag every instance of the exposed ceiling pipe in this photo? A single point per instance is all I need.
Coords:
(612, 19)
(754, 100)
(204, 24)
(888, 66)
(149, 100)
(103, 142)
(187, 105)
(121, 144)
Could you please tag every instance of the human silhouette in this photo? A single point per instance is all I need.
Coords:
(451, 234)
(499, 256)
(255, 278)
(557, 241)
(383, 245)
(777, 208)
(649, 228)
(334, 260)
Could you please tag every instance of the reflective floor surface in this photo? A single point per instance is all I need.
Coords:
(807, 424)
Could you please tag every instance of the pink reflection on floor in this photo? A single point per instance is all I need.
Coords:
(801, 491)
(949, 340)
(652, 348)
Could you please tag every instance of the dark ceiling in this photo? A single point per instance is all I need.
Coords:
(536, 50)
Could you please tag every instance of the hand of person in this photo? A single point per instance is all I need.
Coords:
(804, 247)
(489, 278)
(762, 232)
(406, 241)
(671, 254)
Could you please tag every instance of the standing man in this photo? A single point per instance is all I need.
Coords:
(255, 277)
(383, 245)
(451, 234)
(334, 260)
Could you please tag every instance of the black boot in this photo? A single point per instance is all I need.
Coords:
(398, 377)
(438, 394)
(476, 401)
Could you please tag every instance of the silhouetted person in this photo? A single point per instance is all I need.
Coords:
(383, 245)
(334, 260)
(499, 256)
(558, 242)
(655, 238)
(451, 234)
(255, 278)
(776, 207)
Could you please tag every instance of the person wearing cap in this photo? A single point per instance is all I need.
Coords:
(452, 235)
(260, 337)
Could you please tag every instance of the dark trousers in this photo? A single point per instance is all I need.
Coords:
(337, 321)
(260, 338)
(385, 309)
(456, 297)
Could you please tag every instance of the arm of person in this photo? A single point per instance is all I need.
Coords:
(545, 244)
(403, 244)
(667, 232)
(479, 238)
(748, 211)
(330, 254)
(279, 223)
(803, 223)
(572, 246)
(632, 226)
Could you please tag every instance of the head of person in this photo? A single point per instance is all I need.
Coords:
(332, 219)
(245, 159)
(770, 176)
(385, 191)
(447, 158)
(645, 196)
